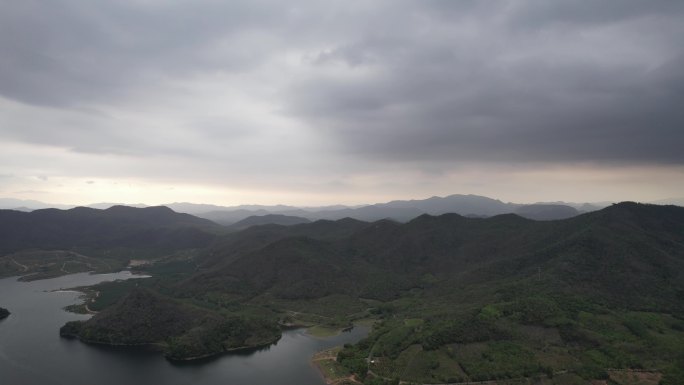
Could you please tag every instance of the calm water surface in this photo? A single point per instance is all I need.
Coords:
(32, 353)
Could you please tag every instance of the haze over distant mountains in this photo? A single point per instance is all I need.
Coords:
(398, 210)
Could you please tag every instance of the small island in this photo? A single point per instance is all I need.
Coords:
(4, 313)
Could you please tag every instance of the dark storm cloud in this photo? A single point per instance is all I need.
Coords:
(561, 114)
(564, 81)
(60, 53)
(535, 13)
(533, 81)
(432, 81)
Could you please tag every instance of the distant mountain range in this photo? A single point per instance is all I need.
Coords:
(268, 219)
(399, 210)
(474, 206)
(28, 205)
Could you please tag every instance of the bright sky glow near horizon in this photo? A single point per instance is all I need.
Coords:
(312, 103)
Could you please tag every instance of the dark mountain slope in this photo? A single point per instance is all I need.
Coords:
(378, 260)
(629, 253)
(547, 212)
(457, 203)
(232, 246)
(116, 227)
(155, 216)
(443, 245)
(294, 268)
(229, 217)
(622, 253)
(269, 219)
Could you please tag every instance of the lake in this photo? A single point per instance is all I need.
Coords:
(31, 351)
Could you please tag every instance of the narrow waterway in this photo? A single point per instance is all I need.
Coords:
(31, 351)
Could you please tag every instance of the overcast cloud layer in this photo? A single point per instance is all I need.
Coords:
(340, 101)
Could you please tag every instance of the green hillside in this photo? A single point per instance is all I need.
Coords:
(463, 299)
(118, 232)
(181, 330)
(48, 243)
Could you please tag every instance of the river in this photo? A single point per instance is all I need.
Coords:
(32, 353)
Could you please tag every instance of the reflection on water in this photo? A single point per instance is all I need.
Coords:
(31, 351)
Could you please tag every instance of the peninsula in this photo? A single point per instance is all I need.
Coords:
(182, 331)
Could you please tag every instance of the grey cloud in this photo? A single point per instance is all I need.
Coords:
(69, 52)
(430, 81)
(489, 95)
(537, 13)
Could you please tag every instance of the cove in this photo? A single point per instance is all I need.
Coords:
(31, 351)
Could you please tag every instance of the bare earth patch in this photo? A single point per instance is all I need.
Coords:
(333, 372)
(628, 377)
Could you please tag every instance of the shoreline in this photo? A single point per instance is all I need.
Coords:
(225, 351)
(323, 332)
(86, 297)
(331, 355)
(160, 348)
(89, 295)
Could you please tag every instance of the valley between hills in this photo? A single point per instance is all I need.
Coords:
(594, 298)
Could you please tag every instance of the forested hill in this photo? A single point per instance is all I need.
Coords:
(115, 227)
(183, 331)
(625, 252)
(455, 299)
(233, 246)
(268, 219)
(463, 299)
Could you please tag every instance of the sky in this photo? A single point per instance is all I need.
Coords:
(311, 102)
